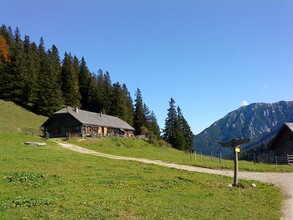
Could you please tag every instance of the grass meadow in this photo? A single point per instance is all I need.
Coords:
(54, 183)
(142, 149)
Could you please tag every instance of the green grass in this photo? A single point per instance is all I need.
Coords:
(54, 183)
(15, 118)
(141, 149)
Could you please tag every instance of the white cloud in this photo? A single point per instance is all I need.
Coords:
(244, 103)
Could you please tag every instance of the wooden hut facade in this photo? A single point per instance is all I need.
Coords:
(77, 122)
(282, 144)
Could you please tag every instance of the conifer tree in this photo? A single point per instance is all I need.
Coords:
(186, 130)
(170, 122)
(31, 72)
(84, 83)
(128, 105)
(70, 81)
(139, 117)
(153, 124)
(18, 69)
(93, 94)
(177, 131)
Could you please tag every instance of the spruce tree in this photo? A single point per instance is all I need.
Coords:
(70, 81)
(177, 131)
(84, 83)
(129, 114)
(170, 121)
(186, 130)
(93, 94)
(31, 72)
(18, 79)
(139, 117)
(153, 124)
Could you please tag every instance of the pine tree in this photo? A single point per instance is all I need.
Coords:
(139, 117)
(70, 81)
(117, 102)
(84, 83)
(177, 132)
(17, 69)
(31, 72)
(129, 114)
(186, 130)
(153, 124)
(93, 94)
(170, 122)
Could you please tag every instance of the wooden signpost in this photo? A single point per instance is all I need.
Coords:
(235, 143)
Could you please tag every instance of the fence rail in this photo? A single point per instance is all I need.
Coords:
(276, 160)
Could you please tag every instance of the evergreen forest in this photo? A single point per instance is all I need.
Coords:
(39, 80)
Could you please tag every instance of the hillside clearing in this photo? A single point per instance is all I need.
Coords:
(284, 180)
(142, 149)
(54, 183)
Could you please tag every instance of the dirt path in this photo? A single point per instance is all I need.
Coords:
(283, 180)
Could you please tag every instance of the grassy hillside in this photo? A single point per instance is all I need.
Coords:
(15, 118)
(54, 183)
(142, 149)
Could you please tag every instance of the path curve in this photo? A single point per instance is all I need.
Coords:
(282, 180)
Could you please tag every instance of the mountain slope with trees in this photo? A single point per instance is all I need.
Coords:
(254, 121)
(38, 80)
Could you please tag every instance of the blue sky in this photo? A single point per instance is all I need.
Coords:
(209, 55)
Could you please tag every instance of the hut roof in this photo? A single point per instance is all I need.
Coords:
(289, 125)
(92, 118)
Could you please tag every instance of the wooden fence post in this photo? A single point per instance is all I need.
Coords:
(288, 159)
(201, 156)
(195, 155)
(220, 156)
(276, 160)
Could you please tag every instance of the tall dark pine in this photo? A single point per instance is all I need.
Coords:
(70, 81)
(153, 124)
(186, 130)
(49, 96)
(139, 117)
(93, 95)
(31, 72)
(170, 121)
(105, 90)
(129, 114)
(84, 83)
(173, 132)
(117, 101)
(17, 70)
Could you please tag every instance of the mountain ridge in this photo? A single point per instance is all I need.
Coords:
(252, 121)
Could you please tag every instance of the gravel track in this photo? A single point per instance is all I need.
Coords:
(282, 180)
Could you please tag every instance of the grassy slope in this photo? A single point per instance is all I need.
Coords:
(53, 183)
(140, 148)
(15, 118)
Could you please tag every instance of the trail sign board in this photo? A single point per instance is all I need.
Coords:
(235, 144)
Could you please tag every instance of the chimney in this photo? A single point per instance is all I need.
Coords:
(76, 110)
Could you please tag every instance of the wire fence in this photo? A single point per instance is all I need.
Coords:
(279, 160)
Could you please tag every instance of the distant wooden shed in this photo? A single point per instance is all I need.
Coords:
(282, 144)
(77, 122)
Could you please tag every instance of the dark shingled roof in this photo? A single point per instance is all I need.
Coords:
(92, 118)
